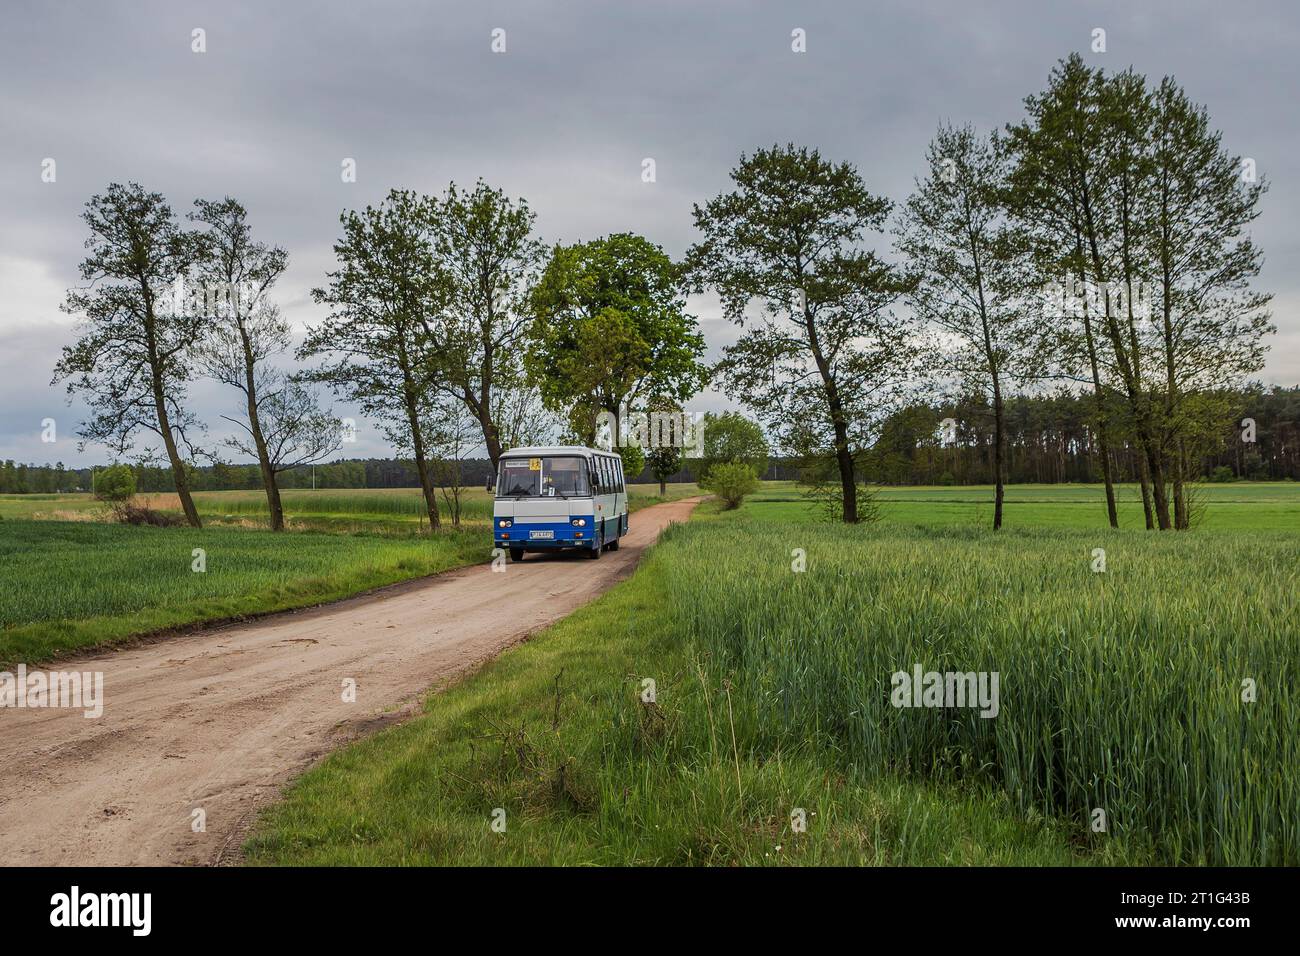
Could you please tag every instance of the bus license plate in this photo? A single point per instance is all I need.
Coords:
(541, 534)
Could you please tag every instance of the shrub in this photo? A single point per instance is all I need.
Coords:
(731, 481)
(819, 477)
(731, 437)
(128, 512)
(1221, 473)
(115, 484)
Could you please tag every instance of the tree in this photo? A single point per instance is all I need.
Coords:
(1053, 193)
(282, 427)
(665, 461)
(972, 275)
(485, 258)
(296, 431)
(383, 297)
(825, 357)
(1211, 325)
(1129, 191)
(611, 328)
(134, 358)
(731, 437)
(666, 427)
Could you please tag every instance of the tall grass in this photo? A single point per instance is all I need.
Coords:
(1120, 691)
(403, 503)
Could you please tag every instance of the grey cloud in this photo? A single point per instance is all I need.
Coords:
(586, 90)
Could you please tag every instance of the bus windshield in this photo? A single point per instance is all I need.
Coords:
(546, 477)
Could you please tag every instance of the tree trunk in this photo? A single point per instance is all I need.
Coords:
(999, 441)
(481, 408)
(848, 482)
(1103, 446)
(179, 475)
(1182, 521)
(663, 489)
(999, 454)
(421, 464)
(1156, 463)
(843, 458)
(269, 483)
(1144, 478)
(264, 463)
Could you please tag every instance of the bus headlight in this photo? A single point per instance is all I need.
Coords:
(579, 522)
(504, 523)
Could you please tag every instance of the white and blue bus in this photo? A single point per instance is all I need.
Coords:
(559, 497)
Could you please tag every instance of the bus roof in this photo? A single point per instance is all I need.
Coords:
(541, 451)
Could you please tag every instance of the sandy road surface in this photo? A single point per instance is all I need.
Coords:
(220, 719)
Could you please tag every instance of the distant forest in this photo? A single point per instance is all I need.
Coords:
(1050, 440)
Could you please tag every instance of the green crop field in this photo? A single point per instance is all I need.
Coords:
(1157, 698)
(1238, 505)
(69, 585)
(69, 579)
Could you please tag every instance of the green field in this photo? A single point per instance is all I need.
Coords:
(1120, 691)
(70, 579)
(1240, 506)
(356, 510)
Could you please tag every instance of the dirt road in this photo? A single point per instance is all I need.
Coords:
(218, 720)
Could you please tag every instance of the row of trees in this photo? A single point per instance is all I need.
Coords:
(1052, 438)
(1100, 242)
(164, 304)
(1049, 439)
(452, 325)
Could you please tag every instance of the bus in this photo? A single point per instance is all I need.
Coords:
(559, 498)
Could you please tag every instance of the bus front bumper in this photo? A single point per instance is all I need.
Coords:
(548, 537)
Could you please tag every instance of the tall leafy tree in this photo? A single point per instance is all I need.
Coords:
(1057, 194)
(1211, 324)
(972, 272)
(383, 297)
(825, 354)
(134, 359)
(1129, 189)
(611, 328)
(486, 257)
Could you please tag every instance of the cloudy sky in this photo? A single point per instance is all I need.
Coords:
(585, 90)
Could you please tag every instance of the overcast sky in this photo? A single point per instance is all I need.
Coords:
(564, 117)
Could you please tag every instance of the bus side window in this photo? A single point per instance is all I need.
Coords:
(604, 476)
(599, 469)
(622, 484)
